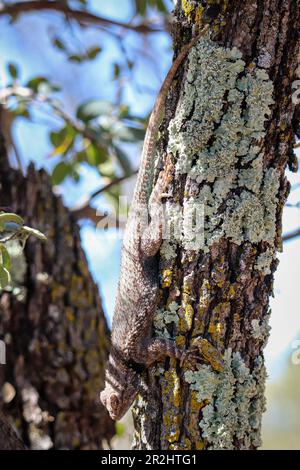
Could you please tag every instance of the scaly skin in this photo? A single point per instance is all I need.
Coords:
(133, 347)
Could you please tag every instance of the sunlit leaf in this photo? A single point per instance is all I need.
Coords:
(62, 140)
(4, 277)
(35, 82)
(107, 169)
(6, 263)
(120, 429)
(34, 232)
(95, 155)
(93, 109)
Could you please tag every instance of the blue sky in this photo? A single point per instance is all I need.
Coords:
(27, 43)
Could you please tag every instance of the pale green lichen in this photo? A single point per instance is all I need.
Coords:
(235, 402)
(168, 250)
(219, 147)
(264, 261)
(261, 329)
(163, 318)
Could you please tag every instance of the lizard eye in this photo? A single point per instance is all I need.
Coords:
(114, 401)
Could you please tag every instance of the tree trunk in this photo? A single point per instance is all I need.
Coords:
(8, 437)
(53, 326)
(230, 123)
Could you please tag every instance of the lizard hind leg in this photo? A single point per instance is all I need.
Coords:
(157, 349)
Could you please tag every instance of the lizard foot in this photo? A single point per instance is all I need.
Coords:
(188, 355)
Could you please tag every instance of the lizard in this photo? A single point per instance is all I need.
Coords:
(133, 348)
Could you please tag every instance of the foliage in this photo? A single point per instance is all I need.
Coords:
(95, 135)
(12, 228)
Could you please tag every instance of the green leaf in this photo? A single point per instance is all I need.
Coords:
(92, 52)
(141, 7)
(62, 140)
(95, 155)
(10, 217)
(123, 160)
(76, 58)
(4, 277)
(117, 71)
(60, 172)
(13, 70)
(161, 6)
(120, 429)
(93, 109)
(6, 263)
(34, 232)
(106, 169)
(125, 133)
(35, 83)
(21, 110)
(123, 111)
(57, 42)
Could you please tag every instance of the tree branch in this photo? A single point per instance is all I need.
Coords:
(90, 213)
(81, 16)
(291, 235)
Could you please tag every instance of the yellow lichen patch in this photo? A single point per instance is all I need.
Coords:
(180, 341)
(57, 291)
(70, 315)
(198, 14)
(173, 380)
(172, 424)
(231, 291)
(219, 273)
(167, 276)
(204, 294)
(199, 445)
(204, 301)
(172, 400)
(187, 8)
(186, 315)
(216, 326)
(189, 315)
(209, 353)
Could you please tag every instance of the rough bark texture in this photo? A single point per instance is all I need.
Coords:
(216, 298)
(9, 440)
(53, 326)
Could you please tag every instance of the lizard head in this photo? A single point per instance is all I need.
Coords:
(121, 388)
(117, 403)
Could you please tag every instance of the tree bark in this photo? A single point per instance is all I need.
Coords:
(9, 440)
(53, 326)
(230, 125)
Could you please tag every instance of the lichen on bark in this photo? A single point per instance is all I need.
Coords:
(229, 128)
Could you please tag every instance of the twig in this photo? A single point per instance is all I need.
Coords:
(81, 16)
(291, 235)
